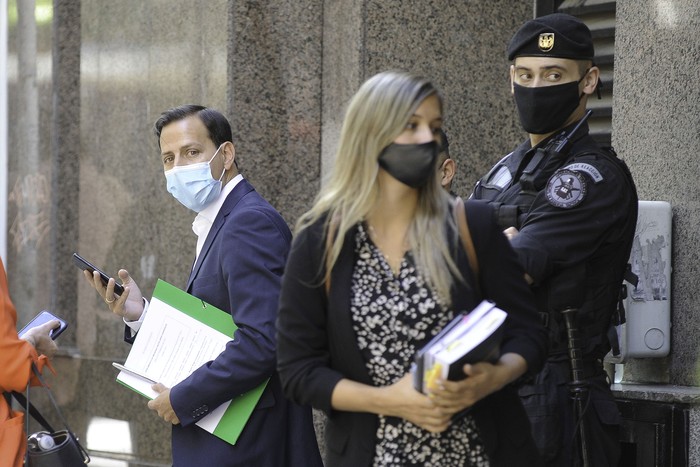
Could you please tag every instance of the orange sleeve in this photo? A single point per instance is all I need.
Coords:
(16, 355)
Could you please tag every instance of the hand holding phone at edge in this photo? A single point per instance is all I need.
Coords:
(129, 305)
(40, 338)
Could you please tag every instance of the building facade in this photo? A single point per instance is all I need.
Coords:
(85, 80)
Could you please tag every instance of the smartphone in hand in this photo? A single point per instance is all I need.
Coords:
(41, 318)
(85, 265)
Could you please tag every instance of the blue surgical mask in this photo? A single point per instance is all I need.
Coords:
(192, 185)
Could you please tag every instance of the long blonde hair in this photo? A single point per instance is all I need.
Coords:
(376, 115)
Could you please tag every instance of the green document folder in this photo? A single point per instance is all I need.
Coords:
(239, 410)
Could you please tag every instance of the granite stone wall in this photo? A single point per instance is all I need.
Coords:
(459, 45)
(84, 173)
(656, 130)
(282, 71)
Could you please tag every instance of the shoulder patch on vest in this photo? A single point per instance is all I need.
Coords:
(566, 189)
(501, 178)
(587, 168)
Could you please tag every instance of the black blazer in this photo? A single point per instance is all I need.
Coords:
(317, 347)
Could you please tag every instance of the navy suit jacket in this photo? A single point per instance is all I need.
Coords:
(239, 271)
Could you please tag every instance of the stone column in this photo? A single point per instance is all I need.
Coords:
(460, 46)
(656, 130)
(65, 160)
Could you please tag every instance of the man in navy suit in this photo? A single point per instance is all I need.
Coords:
(241, 251)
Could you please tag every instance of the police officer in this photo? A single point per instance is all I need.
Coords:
(570, 209)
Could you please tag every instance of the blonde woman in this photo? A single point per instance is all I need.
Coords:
(376, 270)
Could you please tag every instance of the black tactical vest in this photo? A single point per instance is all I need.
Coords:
(511, 187)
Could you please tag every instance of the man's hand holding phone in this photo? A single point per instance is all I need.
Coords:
(128, 305)
(124, 300)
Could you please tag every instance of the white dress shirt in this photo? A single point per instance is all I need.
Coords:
(204, 220)
(201, 227)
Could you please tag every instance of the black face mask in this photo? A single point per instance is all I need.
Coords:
(544, 109)
(411, 164)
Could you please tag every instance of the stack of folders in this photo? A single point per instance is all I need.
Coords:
(469, 338)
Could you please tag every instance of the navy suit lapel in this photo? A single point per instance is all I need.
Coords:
(230, 203)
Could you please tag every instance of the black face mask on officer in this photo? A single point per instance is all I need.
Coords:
(544, 109)
(411, 164)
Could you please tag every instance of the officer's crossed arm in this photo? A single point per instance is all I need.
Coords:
(511, 233)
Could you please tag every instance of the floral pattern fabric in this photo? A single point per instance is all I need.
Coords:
(394, 316)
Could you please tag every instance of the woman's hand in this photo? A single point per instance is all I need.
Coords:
(405, 402)
(482, 380)
(396, 400)
(40, 338)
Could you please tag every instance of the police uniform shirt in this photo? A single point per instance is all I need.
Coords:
(581, 216)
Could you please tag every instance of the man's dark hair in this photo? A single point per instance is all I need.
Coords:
(217, 125)
(444, 142)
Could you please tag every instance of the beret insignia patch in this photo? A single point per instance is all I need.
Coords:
(566, 189)
(546, 41)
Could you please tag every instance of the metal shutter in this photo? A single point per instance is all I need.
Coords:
(599, 16)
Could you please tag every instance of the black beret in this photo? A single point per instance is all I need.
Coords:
(557, 35)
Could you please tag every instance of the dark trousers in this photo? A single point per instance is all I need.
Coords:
(549, 404)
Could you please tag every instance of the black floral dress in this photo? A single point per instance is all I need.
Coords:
(393, 316)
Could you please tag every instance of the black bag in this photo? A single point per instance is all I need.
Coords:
(50, 448)
(67, 451)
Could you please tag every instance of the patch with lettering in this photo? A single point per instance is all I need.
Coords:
(566, 189)
(588, 168)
